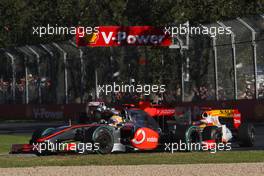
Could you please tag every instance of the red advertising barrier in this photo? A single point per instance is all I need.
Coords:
(40, 112)
(252, 110)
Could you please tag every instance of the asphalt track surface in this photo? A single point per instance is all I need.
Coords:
(29, 127)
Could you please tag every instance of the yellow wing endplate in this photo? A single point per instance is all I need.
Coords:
(222, 112)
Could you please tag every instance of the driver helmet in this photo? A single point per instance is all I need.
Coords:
(115, 119)
(205, 115)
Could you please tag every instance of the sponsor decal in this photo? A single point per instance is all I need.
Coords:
(166, 111)
(140, 137)
(145, 139)
(43, 113)
(237, 118)
(160, 111)
(124, 36)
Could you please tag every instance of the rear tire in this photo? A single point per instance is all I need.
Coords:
(212, 136)
(246, 135)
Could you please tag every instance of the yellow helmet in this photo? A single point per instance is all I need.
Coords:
(115, 119)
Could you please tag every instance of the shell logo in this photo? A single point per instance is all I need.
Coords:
(92, 38)
(145, 139)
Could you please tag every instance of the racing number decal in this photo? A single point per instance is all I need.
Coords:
(145, 139)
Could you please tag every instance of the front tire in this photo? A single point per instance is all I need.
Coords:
(190, 135)
(103, 137)
(212, 133)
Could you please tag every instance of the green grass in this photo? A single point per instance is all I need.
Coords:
(121, 159)
(7, 140)
(133, 159)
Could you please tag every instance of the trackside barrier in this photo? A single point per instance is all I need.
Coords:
(251, 110)
(40, 112)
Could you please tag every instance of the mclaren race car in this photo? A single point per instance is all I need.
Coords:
(136, 131)
(133, 129)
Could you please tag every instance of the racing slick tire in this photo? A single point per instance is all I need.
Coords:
(246, 135)
(212, 133)
(103, 136)
(102, 139)
(190, 135)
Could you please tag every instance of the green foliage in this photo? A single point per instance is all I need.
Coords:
(18, 16)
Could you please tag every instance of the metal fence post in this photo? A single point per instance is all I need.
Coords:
(182, 84)
(38, 61)
(215, 66)
(26, 73)
(182, 47)
(215, 69)
(82, 75)
(182, 77)
(65, 72)
(26, 76)
(254, 47)
(82, 70)
(96, 85)
(233, 57)
(50, 52)
(47, 49)
(13, 76)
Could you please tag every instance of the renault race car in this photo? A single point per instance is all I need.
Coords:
(242, 133)
(148, 128)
